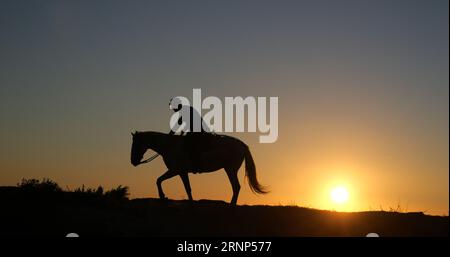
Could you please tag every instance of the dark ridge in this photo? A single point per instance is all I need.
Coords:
(51, 211)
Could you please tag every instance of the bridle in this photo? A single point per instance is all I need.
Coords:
(149, 159)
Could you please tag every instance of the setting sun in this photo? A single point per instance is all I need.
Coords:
(339, 195)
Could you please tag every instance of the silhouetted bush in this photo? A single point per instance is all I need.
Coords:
(119, 193)
(46, 186)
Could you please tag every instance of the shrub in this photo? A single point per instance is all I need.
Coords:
(119, 193)
(46, 186)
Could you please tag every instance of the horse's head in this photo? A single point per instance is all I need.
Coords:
(137, 149)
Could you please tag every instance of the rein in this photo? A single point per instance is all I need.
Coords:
(150, 159)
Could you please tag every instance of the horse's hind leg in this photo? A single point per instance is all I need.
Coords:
(185, 178)
(167, 175)
(232, 175)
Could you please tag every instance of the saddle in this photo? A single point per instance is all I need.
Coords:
(197, 144)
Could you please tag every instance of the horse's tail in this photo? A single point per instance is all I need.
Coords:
(250, 173)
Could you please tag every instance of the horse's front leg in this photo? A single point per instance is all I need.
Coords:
(185, 178)
(167, 175)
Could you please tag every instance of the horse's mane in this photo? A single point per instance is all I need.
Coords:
(151, 133)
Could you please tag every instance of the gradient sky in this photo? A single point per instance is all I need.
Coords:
(363, 91)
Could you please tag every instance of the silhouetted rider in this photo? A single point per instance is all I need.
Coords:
(196, 142)
(193, 116)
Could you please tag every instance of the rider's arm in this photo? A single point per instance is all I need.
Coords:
(179, 122)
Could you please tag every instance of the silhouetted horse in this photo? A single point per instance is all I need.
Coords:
(224, 152)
